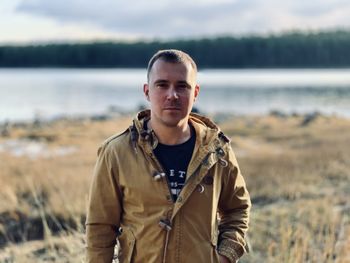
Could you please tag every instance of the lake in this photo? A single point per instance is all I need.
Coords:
(48, 93)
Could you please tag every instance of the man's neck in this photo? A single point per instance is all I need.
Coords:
(171, 135)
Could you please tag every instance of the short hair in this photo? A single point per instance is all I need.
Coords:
(172, 56)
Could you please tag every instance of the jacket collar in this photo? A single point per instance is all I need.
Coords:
(206, 130)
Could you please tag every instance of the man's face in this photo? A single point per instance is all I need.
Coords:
(171, 91)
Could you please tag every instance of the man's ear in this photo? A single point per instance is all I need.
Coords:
(196, 91)
(146, 91)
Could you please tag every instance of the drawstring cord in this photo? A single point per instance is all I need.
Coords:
(166, 245)
(134, 136)
(166, 225)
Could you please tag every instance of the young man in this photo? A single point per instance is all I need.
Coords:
(169, 188)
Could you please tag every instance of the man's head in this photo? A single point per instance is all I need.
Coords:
(171, 87)
(171, 56)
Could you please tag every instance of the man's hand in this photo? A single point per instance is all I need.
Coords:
(223, 259)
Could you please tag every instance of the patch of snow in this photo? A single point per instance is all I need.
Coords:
(34, 149)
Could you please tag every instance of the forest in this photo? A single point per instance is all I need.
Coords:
(288, 50)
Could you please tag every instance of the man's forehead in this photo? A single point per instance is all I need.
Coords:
(162, 62)
(165, 67)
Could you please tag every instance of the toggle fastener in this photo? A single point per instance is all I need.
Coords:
(119, 231)
(158, 176)
(145, 135)
(200, 188)
(165, 224)
(223, 162)
(220, 152)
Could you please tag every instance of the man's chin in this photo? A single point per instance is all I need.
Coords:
(173, 122)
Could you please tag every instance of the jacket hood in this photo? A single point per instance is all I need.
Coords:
(206, 130)
(146, 115)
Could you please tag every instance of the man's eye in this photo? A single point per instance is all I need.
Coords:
(182, 87)
(162, 85)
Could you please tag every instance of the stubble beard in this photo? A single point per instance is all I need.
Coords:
(172, 119)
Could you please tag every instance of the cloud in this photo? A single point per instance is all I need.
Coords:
(168, 18)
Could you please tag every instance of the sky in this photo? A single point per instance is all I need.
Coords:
(42, 21)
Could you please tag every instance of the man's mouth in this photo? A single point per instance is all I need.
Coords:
(172, 108)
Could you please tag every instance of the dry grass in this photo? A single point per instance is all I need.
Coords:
(298, 176)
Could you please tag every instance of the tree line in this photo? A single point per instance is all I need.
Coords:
(288, 50)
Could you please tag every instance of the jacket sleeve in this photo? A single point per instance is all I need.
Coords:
(104, 209)
(234, 207)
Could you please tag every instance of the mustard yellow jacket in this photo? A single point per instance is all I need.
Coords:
(130, 202)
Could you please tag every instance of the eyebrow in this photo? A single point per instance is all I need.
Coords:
(158, 81)
(161, 81)
(183, 82)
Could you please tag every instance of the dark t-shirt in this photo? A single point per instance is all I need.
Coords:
(175, 160)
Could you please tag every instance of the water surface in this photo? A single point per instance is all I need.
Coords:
(47, 93)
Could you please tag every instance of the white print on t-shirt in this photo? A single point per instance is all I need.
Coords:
(181, 173)
(175, 184)
(176, 192)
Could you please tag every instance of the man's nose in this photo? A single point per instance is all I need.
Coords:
(172, 94)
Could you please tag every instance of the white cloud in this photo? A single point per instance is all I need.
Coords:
(168, 18)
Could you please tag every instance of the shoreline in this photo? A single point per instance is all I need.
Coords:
(34, 139)
(115, 114)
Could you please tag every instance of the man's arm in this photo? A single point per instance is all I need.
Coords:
(234, 207)
(100, 243)
(103, 212)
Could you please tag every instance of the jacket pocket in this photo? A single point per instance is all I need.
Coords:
(127, 246)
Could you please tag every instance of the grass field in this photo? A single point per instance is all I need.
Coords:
(297, 169)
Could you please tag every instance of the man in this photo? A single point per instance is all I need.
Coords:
(169, 188)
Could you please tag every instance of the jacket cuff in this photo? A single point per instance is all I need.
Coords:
(101, 255)
(230, 249)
